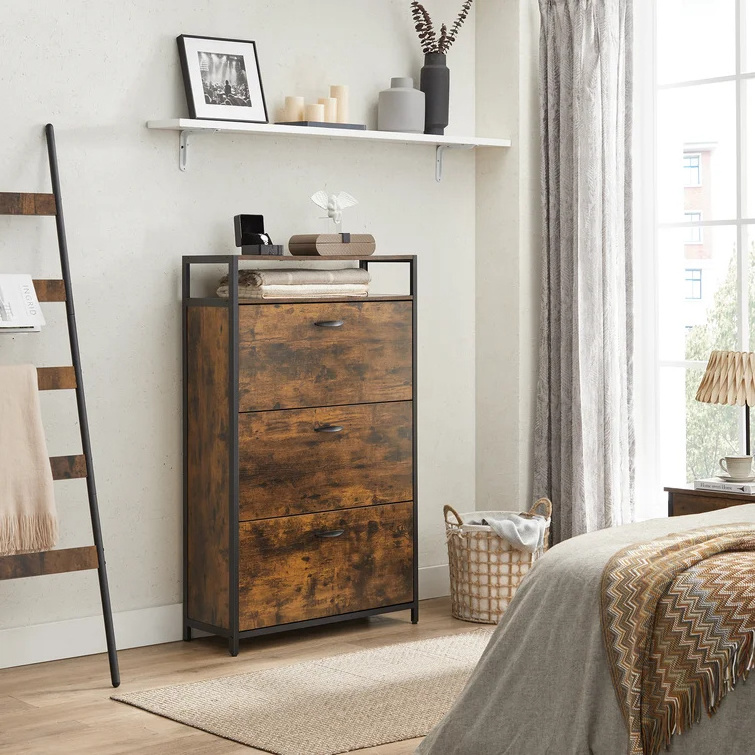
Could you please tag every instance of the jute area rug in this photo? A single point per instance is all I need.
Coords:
(338, 704)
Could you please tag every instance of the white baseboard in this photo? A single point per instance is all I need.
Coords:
(75, 637)
(22, 646)
(434, 582)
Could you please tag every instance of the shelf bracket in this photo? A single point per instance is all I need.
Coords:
(183, 145)
(185, 134)
(183, 149)
(439, 150)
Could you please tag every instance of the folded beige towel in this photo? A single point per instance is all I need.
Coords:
(307, 276)
(295, 291)
(28, 521)
(296, 277)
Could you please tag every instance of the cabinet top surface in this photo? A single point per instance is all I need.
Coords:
(225, 258)
(711, 493)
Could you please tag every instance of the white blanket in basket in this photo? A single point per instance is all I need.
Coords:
(523, 532)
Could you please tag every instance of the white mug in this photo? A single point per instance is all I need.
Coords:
(737, 467)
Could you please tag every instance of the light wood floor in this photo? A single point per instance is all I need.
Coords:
(65, 706)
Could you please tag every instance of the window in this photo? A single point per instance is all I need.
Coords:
(693, 286)
(693, 235)
(698, 111)
(692, 175)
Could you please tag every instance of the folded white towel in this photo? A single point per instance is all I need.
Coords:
(523, 532)
(28, 521)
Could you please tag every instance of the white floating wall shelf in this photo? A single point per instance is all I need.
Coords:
(188, 127)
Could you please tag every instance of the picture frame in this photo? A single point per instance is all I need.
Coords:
(222, 79)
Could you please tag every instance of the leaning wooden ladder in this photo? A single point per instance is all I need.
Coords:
(59, 378)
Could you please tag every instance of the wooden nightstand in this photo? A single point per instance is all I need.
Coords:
(683, 501)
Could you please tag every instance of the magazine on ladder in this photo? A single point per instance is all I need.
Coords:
(19, 308)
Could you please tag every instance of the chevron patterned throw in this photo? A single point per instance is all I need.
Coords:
(678, 617)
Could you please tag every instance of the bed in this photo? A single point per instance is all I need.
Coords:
(544, 684)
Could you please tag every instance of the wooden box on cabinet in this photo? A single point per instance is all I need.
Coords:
(300, 483)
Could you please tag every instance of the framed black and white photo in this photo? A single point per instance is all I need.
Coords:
(222, 79)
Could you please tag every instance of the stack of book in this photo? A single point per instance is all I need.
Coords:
(299, 284)
(716, 483)
(19, 307)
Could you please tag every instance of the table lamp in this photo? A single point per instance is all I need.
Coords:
(730, 379)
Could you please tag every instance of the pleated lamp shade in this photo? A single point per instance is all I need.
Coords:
(729, 379)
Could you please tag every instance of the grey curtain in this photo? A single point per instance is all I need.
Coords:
(584, 439)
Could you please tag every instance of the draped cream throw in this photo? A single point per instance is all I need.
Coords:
(28, 521)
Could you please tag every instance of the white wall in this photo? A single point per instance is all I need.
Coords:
(508, 227)
(98, 71)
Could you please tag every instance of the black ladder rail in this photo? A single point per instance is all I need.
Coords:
(82, 410)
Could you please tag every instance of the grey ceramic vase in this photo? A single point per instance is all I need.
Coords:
(402, 107)
(435, 82)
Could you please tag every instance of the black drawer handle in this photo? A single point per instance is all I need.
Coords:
(329, 533)
(329, 429)
(329, 324)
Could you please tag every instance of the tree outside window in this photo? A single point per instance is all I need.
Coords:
(713, 430)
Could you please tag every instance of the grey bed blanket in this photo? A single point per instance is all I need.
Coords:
(543, 686)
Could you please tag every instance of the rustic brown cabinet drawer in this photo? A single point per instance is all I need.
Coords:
(300, 461)
(683, 502)
(303, 567)
(302, 355)
(688, 505)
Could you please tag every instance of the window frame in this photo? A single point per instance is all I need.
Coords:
(694, 226)
(699, 157)
(698, 279)
(649, 362)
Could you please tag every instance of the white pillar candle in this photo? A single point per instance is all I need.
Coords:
(294, 108)
(341, 93)
(314, 113)
(331, 109)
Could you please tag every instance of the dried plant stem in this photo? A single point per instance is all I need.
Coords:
(423, 25)
(459, 22)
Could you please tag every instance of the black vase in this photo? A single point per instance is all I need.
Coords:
(434, 82)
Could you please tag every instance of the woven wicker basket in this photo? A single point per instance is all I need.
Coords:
(485, 568)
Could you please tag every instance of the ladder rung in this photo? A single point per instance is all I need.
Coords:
(68, 467)
(27, 204)
(56, 378)
(50, 290)
(48, 562)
